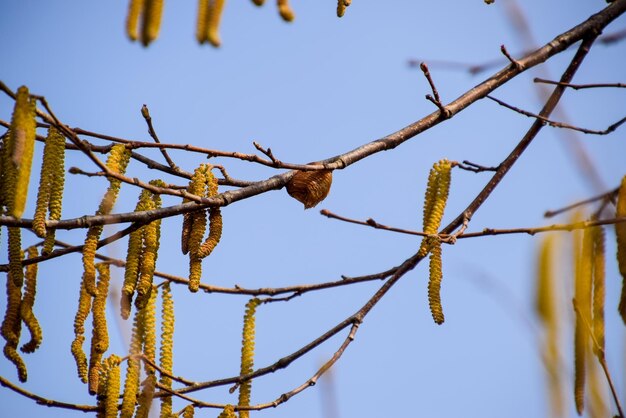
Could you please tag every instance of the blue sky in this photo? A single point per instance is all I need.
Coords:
(310, 90)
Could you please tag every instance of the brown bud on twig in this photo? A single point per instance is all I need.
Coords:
(310, 187)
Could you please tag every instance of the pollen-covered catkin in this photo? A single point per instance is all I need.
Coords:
(434, 284)
(55, 181)
(135, 7)
(152, 12)
(620, 231)
(148, 327)
(131, 384)
(20, 153)
(11, 325)
(203, 183)
(116, 162)
(100, 333)
(229, 412)
(435, 200)
(84, 306)
(188, 412)
(214, 10)
(247, 353)
(26, 307)
(341, 7)
(112, 385)
(286, 12)
(146, 396)
(167, 342)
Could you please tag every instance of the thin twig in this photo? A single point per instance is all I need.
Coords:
(554, 124)
(508, 56)
(580, 86)
(46, 402)
(445, 113)
(145, 112)
(608, 196)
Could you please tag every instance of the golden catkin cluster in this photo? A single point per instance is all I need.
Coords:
(51, 184)
(208, 23)
(143, 248)
(116, 162)
(310, 187)
(149, 13)
(247, 353)
(203, 183)
(435, 200)
(589, 305)
(167, 344)
(143, 341)
(620, 231)
(547, 309)
(109, 388)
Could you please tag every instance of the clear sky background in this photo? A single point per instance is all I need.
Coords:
(310, 90)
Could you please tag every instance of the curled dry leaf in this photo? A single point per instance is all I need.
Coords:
(310, 187)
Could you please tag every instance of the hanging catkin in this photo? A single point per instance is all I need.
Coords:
(100, 333)
(117, 162)
(247, 354)
(26, 306)
(19, 153)
(167, 342)
(51, 185)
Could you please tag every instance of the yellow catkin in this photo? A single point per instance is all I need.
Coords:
(147, 261)
(57, 184)
(135, 7)
(111, 389)
(4, 146)
(285, 11)
(131, 383)
(228, 412)
(435, 200)
(26, 307)
(598, 392)
(188, 411)
(214, 11)
(45, 183)
(202, 20)
(598, 259)
(116, 162)
(152, 12)
(148, 327)
(247, 354)
(215, 233)
(84, 307)
(22, 145)
(134, 256)
(341, 7)
(100, 333)
(11, 326)
(434, 284)
(167, 343)
(546, 307)
(620, 231)
(203, 183)
(582, 299)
